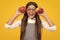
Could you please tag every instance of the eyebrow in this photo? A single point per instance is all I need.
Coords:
(31, 8)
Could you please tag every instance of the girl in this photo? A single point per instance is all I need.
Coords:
(31, 24)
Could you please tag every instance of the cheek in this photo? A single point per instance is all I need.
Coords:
(27, 11)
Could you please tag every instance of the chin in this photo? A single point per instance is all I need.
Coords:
(31, 17)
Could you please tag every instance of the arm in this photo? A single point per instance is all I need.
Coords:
(48, 20)
(49, 25)
(12, 19)
(11, 24)
(14, 25)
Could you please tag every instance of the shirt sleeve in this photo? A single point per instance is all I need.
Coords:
(47, 27)
(14, 25)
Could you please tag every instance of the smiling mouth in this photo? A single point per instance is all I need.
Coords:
(31, 14)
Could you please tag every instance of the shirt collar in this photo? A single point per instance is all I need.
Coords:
(31, 20)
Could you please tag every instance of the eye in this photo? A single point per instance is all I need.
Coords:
(33, 9)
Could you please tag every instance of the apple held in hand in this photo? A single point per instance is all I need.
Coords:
(22, 9)
(40, 10)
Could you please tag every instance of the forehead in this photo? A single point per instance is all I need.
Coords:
(31, 6)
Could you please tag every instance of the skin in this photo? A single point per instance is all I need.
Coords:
(31, 11)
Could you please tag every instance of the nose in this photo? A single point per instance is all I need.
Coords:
(31, 10)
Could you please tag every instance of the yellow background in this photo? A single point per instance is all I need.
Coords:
(8, 8)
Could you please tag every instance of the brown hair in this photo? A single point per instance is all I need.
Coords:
(37, 23)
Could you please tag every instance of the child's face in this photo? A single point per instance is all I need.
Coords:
(31, 11)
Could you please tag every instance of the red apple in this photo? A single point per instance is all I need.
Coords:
(40, 10)
(22, 9)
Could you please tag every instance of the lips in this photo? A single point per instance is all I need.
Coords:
(31, 14)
